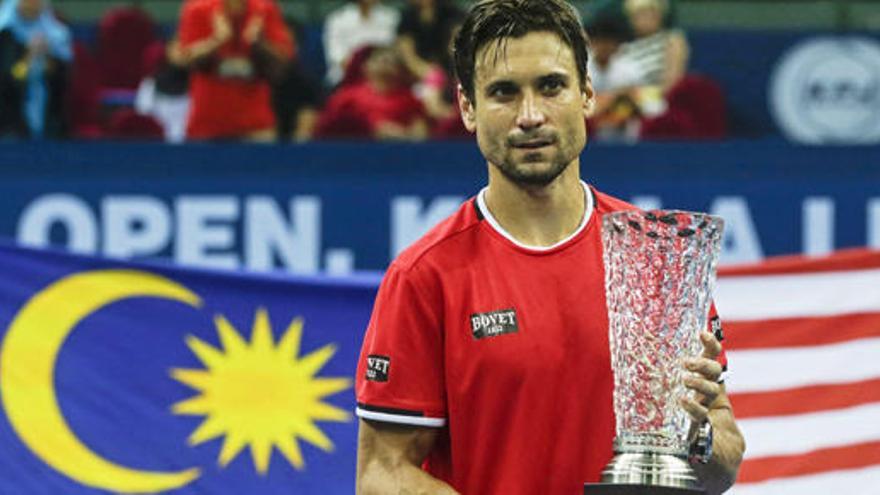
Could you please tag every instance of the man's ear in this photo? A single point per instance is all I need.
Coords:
(466, 108)
(589, 98)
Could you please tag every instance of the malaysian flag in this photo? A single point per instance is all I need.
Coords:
(803, 342)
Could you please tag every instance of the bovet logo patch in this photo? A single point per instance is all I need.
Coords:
(378, 367)
(494, 323)
(715, 323)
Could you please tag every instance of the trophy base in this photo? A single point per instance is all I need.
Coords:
(613, 489)
(646, 473)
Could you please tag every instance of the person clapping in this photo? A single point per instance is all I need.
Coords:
(234, 48)
(35, 52)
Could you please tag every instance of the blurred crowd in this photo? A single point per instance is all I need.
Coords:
(233, 70)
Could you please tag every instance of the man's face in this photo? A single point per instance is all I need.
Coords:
(646, 20)
(383, 64)
(30, 9)
(529, 107)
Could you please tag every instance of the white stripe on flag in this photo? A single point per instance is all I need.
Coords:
(788, 435)
(763, 370)
(851, 482)
(789, 296)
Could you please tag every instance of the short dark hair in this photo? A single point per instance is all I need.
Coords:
(496, 20)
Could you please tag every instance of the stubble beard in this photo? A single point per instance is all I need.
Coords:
(524, 174)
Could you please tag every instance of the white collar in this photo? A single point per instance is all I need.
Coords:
(588, 212)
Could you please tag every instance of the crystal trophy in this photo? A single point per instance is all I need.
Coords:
(659, 276)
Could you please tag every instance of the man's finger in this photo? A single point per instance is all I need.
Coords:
(711, 346)
(707, 367)
(697, 411)
(708, 389)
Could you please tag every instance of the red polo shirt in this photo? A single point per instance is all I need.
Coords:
(503, 347)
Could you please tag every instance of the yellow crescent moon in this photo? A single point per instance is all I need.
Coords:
(27, 370)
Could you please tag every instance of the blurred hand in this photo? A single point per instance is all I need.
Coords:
(703, 379)
(37, 46)
(222, 28)
(253, 32)
(390, 131)
(175, 53)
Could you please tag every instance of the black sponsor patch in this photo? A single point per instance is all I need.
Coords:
(378, 367)
(494, 323)
(715, 325)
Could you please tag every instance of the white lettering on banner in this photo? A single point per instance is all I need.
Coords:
(204, 234)
(257, 233)
(410, 219)
(818, 226)
(135, 226)
(647, 202)
(874, 223)
(201, 230)
(741, 243)
(296, 243)
(339, 261)
(68, 211)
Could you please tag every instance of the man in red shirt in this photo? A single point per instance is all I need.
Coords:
(233, 48)
(485, 368)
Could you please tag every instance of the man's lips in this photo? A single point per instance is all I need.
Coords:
(533, 143)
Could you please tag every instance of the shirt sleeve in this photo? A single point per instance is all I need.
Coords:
(400, 373)
(277, 32)
(195, 24)
(714, 326)
(336, 45)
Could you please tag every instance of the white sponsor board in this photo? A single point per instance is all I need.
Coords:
(826, 90)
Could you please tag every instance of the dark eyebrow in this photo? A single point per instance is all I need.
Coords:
(557, 77)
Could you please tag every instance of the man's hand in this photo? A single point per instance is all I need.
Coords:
(222, 29)
(253, 32)
(703, 379)
(711, 403)
(37, 46)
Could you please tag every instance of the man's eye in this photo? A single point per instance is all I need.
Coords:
(551, 85)
(502, 91)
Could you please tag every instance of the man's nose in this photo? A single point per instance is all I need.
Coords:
(531, 115)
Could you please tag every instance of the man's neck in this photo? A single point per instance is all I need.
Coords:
(235, 8)
(365, 9)
(537, 216)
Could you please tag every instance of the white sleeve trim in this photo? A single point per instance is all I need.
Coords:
(400, 418)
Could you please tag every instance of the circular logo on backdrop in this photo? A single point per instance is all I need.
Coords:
(827, 90)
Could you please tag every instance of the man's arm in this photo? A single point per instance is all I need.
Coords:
(728, 447)
(390, 458)
(200, 39)
(728, 444)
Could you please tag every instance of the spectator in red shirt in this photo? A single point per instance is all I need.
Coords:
(375, 101)
(233, 48)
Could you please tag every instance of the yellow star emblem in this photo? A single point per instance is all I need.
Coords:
(260, 394)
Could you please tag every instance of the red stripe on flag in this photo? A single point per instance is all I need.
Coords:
(843, 260)
(800, 332)
(817, 461)
(805, 400)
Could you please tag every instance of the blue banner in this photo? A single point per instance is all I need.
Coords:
(340, 207)
(139, 378)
